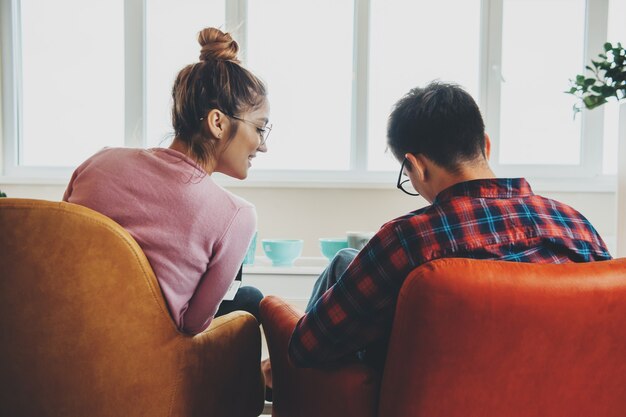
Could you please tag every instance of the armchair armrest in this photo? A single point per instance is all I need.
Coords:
(224, 364)
(341, 389)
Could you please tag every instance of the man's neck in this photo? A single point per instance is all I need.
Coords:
(445, 179)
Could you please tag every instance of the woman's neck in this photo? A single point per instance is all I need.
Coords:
(181, 146)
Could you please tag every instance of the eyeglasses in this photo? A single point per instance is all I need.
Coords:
(405, 185)
(264, 131)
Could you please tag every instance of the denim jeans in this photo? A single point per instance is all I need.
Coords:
(246, 299)
(331, 274)
(374, 354)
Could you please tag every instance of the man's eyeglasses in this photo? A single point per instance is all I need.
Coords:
(264, 131)
(405, 185)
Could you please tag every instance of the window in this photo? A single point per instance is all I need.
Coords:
(536, 119)
(171, 44)
(408, 49)
(306, 61)
(77, 78)
(72, 80)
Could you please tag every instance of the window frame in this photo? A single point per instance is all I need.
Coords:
(587, 176)
(590, 166)
(134, 89)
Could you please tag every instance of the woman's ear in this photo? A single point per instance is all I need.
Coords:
(216, 123)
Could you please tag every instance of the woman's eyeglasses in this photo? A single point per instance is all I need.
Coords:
(264, 131)
(405, 185)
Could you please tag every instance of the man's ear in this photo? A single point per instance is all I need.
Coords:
(418, 167)
(487, 147)
(216, 123)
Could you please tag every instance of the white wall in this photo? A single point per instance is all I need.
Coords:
(311, 213)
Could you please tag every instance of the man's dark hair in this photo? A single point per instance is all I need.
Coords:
(441, 121)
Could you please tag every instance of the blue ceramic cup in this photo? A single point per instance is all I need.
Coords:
(282, 252)
(249, 259)
(331, 245)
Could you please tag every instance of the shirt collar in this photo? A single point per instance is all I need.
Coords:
(487, 188)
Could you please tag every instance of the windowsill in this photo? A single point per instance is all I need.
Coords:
(378, 181)
(294, 283)
(302, 266)
(15, 180)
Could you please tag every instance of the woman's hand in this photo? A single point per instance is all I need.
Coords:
(266, 368)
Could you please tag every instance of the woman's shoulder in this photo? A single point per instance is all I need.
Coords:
(164, 153)
(105, 157)
(115, 154)
(109, 150)
(234, 200)
(222, 210)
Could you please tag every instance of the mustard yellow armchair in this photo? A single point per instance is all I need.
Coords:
(85, 331)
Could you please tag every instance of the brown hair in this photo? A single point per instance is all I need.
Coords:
(218, 81)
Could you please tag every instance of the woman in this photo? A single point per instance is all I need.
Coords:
(194, 233)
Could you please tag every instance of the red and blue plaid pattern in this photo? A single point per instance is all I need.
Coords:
(481, 219)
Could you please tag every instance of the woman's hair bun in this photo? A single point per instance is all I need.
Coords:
(217, 45)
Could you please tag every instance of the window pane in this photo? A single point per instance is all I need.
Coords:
(72, 80)
(172, 43)
(616, 33)
(412, 43)
(542, 48)
(303, 50)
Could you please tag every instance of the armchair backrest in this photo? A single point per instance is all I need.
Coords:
(493, 338)
(85, 330)
(79, 305)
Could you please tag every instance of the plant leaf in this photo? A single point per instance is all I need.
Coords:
(606, 80)
(591, 102)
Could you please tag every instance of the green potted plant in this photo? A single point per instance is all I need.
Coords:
(607, 81)
(2, 194)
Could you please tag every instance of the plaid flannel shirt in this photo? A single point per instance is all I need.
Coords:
(482, 219)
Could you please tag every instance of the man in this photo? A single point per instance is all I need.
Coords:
(437, 133)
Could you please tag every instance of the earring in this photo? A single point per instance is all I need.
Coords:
(219, 135)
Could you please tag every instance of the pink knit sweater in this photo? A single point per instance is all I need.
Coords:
(193, 232)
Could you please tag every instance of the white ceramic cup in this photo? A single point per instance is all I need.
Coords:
(357, 240)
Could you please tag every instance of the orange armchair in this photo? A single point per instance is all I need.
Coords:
(85, 330)
(477, 338)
